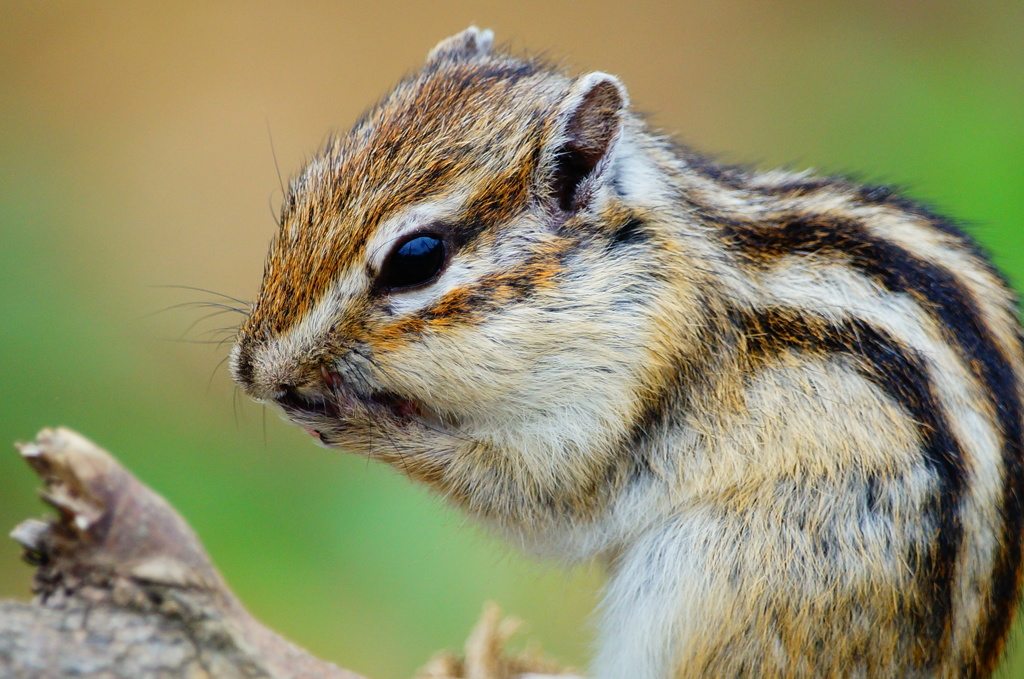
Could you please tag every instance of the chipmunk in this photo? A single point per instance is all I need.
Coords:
(784, 409)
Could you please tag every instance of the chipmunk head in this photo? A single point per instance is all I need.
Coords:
(451, 289)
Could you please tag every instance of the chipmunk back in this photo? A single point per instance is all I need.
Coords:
(784, 409)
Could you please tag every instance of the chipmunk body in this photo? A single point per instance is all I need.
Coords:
(785, 409)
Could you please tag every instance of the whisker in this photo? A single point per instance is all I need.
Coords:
(273, 154)
(213, 373)
(383, 429)
(200, 305)
(204, 290)
(184, 340)
(263, 409)
(201, 319)
(235, 393)
(229, 331)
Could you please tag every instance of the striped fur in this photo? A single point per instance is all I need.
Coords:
(784, 409)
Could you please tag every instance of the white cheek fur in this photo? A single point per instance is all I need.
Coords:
(456, 275)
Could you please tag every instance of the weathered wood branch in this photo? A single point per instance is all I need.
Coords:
(124, 589)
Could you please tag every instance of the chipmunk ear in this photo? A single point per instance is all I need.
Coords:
(468, 44)
(589, 122)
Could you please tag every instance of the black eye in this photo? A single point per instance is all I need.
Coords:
(414, 261)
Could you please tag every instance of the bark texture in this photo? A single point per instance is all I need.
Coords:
(123, 587)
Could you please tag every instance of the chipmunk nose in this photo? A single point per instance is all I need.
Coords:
(291, 384)
(259, 376)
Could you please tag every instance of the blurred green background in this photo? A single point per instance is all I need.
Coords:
(134, 154)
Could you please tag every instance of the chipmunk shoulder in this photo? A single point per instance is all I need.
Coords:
(785, 409)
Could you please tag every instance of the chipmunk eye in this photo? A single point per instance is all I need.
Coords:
(414, 261)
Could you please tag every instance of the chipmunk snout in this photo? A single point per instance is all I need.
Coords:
(289, 383)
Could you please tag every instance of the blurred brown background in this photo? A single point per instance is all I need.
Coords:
(135, 153)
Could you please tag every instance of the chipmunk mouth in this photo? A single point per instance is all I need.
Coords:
(400, 407)
(299, 406)
(320, 413)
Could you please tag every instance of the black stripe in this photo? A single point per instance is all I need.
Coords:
(886, 195)
(1006, 577)
(937, 290)
(632, 231)
(801, 187)
(668, 408)
(890, 196)
(941, 294)
(901, 372)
